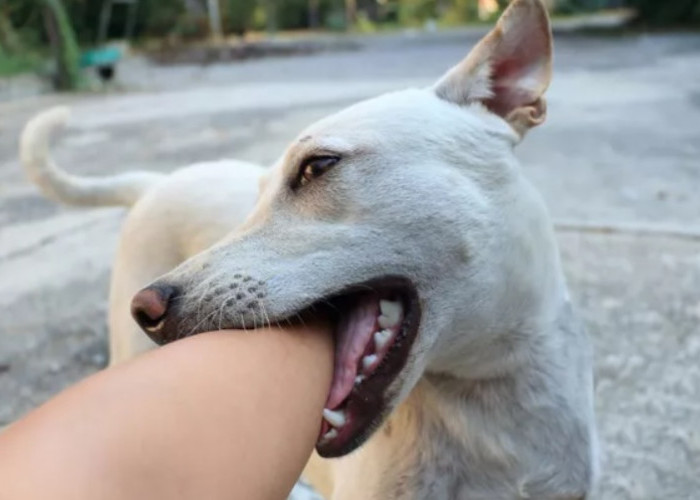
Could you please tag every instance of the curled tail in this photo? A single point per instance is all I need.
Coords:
(123, 189)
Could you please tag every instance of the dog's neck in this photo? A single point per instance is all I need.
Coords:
(527, 434)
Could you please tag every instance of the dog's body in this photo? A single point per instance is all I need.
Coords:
(171, 217)
(409, 215)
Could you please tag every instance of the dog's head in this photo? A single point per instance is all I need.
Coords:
(404, 218)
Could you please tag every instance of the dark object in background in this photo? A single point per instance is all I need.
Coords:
(104, 60)
(106, 73)
(666, 12)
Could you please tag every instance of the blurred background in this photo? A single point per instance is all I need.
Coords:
(160, 84)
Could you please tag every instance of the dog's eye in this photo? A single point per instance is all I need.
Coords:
(316, 166)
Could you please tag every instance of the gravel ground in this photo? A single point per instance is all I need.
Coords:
(617, 162)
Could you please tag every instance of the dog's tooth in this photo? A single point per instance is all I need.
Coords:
(335, 418)
(381, 339)
(390, 313)
(331, 434)
(368, 361)
(359, 379)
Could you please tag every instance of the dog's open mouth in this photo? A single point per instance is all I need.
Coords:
(376, 324)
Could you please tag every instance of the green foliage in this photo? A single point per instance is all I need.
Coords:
(158, 18)
(9, 39)
(239, 15)
(568, 7)
(460, 12)
(335, 20)
(364, 24)
(416, 12)
(291, 14)
(667, 12)
(655, 13)
(14, 64)
(258, 19)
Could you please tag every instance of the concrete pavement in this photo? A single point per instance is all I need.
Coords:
(621, 149)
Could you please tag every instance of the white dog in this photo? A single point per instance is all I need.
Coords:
(172, 217)
(460, 368)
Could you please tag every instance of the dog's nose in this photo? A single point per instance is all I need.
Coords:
(149, 308)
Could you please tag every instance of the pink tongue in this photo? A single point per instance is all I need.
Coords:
(355, 331)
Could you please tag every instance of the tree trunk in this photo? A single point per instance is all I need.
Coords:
(215, 29)
(270, 17)
(350, 13)
(313, 14)
(64, 45)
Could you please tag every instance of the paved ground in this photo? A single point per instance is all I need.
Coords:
(621, 149)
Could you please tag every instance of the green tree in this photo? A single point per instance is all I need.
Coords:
(461, 11)
(239, 15)
(64, 44)
(415, 12)
(158, 17)
(667, 12)
(9, 40)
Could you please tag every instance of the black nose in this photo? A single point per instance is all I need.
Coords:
(149, 307)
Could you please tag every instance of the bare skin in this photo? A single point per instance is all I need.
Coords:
(222, 415)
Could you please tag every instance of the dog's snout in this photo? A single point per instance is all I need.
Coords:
(149, 307)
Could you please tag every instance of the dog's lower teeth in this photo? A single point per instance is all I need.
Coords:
(381, 339)
(335, 418)
(359, 379)
(331, 434)
(368, 361)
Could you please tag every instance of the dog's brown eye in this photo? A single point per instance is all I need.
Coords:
(316, 166)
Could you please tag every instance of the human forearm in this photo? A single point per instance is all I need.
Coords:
(221, 415)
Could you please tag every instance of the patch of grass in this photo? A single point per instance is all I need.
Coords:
(364, 24)
(16, 64)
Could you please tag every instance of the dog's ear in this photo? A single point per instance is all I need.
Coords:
(509, 69)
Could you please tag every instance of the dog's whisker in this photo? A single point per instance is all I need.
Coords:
(255, 318)
(301, 319)
(264, 311)
(330, 304)
(193, 330)
(199, 301)
(221, 312)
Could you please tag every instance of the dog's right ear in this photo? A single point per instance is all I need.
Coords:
(509, 69)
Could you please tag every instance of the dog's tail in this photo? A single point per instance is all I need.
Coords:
(123, 189)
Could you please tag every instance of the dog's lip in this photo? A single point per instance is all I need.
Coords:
(368, 402)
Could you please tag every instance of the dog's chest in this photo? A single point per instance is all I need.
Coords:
(403, 462)
(448, 476)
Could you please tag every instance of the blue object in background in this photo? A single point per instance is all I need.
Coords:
(105, 56)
